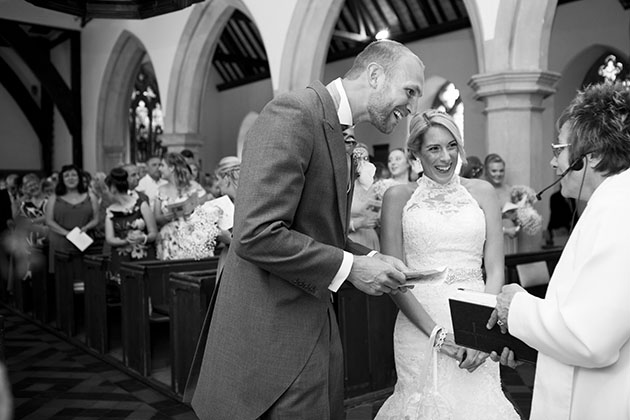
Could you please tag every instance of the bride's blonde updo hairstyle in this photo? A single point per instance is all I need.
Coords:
(420, 124)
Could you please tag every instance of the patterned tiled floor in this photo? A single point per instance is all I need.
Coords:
(54, 380)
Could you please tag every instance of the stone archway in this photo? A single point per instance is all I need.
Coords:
(190, 67)
(112, 122)
(308, 38)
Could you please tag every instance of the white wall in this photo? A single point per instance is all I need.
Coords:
(223, 113)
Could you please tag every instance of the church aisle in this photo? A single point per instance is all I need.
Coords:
(54, 380)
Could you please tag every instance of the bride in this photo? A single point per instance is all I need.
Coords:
(447, 224)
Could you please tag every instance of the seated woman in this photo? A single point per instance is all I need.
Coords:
(178, 238)
(130, 227)
(71, 206)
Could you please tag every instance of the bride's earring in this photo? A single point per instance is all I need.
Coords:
(416, 165)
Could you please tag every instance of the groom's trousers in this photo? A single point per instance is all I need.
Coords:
(317, 392)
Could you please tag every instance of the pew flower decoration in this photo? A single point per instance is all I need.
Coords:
(522, 199)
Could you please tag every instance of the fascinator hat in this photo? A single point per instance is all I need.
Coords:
(420, 124)
(228, 164)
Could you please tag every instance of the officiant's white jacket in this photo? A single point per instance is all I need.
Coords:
(582, 328)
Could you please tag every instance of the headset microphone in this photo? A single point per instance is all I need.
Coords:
(576, 165)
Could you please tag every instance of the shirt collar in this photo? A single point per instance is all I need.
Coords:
(343, 112)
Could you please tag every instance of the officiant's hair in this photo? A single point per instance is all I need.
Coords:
(420, 124)
(118, 179)
(599, 123)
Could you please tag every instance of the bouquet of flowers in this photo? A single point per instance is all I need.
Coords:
(193, 238)
(522, 199)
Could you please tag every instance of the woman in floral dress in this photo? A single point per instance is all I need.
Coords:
(130, 227)
(183, 235)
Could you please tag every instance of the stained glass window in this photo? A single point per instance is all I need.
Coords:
(146, 121)
(607, 68)
(448, 100)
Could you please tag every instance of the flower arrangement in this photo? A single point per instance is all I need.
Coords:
(523, 198)
(194, 237)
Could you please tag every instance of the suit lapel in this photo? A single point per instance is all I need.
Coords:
(336, 147)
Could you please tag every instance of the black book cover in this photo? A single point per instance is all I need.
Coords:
(469, 326)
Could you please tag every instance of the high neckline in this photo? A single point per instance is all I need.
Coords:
(428, 182)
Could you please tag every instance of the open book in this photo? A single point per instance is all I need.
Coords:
(470, 311)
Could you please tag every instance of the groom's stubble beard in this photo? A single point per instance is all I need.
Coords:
(378, 110)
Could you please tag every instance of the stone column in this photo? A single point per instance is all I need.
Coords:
(514, 127)
(514, 118)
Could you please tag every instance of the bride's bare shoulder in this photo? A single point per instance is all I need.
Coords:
(480, 189)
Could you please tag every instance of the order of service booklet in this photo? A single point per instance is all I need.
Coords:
(470, 311)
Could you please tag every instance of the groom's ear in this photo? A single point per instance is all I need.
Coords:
(375, 75)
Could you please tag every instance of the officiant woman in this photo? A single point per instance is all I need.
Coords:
(581, 329)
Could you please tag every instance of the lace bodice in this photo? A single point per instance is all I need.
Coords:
(443, 226)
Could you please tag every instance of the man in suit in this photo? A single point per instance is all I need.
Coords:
(273, 348)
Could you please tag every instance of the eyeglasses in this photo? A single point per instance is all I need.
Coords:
(557, 148)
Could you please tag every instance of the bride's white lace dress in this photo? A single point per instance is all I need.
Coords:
(443, 226)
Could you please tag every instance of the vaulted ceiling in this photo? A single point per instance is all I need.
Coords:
(240, 56)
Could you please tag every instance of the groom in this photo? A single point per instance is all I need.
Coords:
(273, 349)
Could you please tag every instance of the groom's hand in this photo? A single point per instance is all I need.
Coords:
(378, 274)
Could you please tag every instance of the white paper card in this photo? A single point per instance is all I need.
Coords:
(80, 239)
(225, 204)
(419, 276)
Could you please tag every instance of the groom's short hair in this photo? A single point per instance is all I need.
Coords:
(384, 52)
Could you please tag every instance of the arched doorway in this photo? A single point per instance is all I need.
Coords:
(205, 108)
(112, 122)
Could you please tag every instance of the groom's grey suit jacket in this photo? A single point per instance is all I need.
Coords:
(290, 227)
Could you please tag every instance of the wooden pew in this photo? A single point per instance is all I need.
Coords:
(69, 269)
(43, 286)
(366, 326)
(20, 288)
(190, 295)
(96, 322)
(142, 281)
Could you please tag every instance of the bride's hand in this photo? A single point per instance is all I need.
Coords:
(473, 359)
(451, 349)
